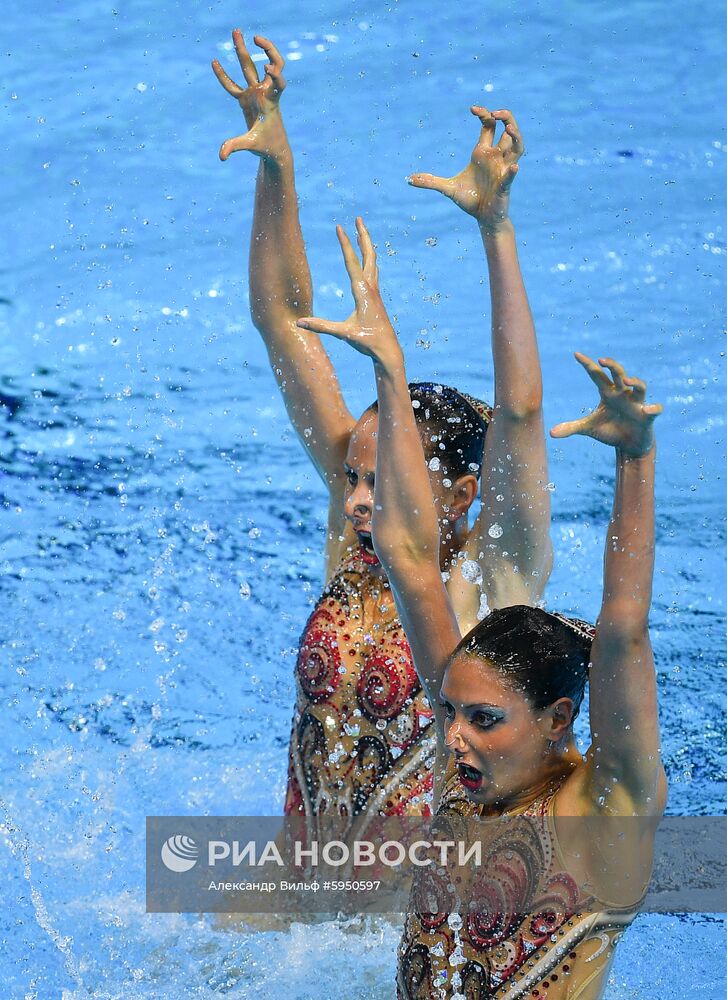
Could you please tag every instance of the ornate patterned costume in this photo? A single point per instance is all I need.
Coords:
(538, 936)
(362, 743)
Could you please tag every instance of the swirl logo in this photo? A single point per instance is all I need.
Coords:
(179, 853)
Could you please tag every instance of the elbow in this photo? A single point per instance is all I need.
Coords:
(261, 315)
(278, 310)
(402, 555)
(268, 316)
(623, 624)
(523, 407)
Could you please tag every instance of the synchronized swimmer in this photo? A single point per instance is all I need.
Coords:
(403, 684)
(505, 696)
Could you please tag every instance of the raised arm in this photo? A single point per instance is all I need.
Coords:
(280, 282)
(405, 524)
(510, 538)
(623, 771)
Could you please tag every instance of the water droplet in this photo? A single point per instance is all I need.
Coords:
(431, 241)
(494, 531)
(434, 464)
(245, 591)
(471, 571)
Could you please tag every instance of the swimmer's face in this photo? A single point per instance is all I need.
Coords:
(360, 469)
(452, 500)
(498, 740)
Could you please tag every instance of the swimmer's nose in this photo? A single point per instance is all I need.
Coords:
(453, 738)
(359, 503)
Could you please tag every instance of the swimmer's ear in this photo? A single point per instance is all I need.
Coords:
(465, 491)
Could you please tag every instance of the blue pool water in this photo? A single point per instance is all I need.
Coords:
(161, 530)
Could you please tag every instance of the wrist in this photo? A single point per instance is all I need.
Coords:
(277, 162)
(642, 457)
(494, 230)
(389, 366)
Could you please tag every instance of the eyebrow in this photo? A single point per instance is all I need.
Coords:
(443, 700)
(368, 473)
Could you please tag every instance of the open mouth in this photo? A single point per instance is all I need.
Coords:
(367, 548)
(470, 777)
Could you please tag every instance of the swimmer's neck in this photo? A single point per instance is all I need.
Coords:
(560, 764)
(453, 540)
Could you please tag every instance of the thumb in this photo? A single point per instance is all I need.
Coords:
(235, 145)
(428, 181)
(567, 429)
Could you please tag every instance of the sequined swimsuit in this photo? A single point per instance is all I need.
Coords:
(362, 741)
(543, 938)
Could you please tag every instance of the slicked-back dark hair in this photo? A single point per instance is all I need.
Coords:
(544, 656)
(452, 426)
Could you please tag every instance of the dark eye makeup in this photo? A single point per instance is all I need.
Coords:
(483, 718)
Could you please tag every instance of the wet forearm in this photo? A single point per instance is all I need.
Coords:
(518, 383)
(280, 281)
(405, 521)
(629, 553)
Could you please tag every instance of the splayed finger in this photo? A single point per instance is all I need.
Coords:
(243, 56)
(598, 375)
(230, 86)
(617, 371)
(488, 123)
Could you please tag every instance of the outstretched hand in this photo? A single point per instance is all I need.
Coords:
(622, 418)
(482, 189)
(368, 328)
(259, 101)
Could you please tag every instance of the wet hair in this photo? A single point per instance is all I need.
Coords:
(452, 426)
(543, 656)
